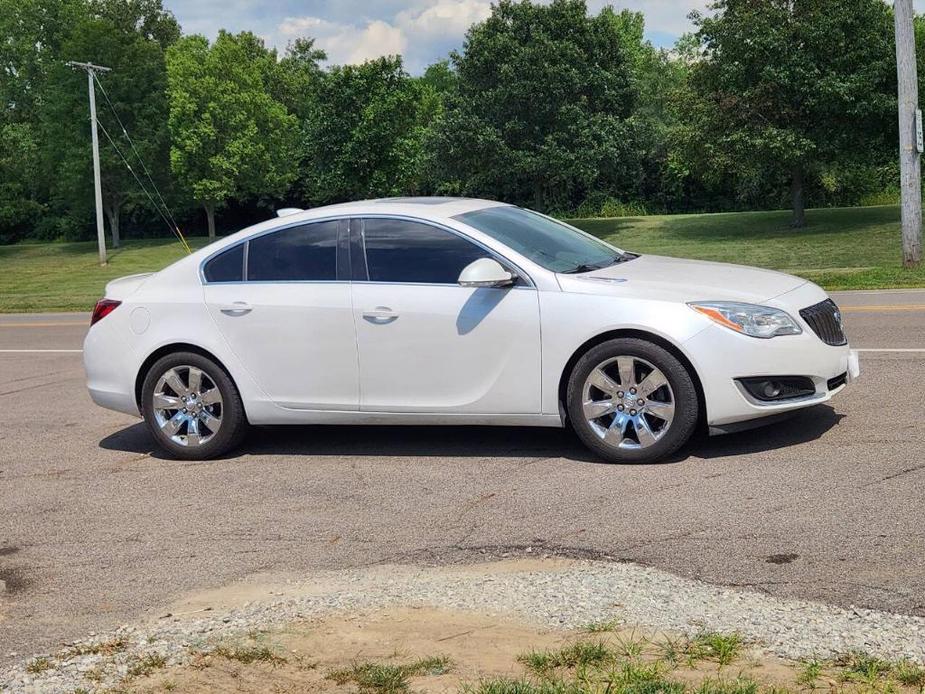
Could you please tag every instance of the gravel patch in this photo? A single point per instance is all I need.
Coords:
(565, 596)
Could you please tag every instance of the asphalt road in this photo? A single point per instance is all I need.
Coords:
(95, 530)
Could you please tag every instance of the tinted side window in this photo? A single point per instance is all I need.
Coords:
(303, 253)
(403, 251)
(227, 266)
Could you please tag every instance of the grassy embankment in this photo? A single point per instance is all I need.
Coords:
(845, 248)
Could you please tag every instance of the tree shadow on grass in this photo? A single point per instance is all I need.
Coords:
(479, 441)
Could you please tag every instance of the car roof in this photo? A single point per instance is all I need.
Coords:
(425, 207)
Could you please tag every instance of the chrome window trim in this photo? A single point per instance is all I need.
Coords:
(347, 217)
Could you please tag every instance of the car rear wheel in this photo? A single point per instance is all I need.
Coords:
(631, 401)
(192, 407)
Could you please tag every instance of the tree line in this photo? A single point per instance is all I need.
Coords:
(765, 104)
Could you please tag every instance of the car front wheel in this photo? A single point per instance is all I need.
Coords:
(192, 407)
(631, 401)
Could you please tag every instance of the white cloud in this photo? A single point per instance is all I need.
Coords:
(377, 39)
(444, 18)
(665, 16)
(345, 43)
(426, 30)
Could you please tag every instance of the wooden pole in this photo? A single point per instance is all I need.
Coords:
(909, 155)
(98, 193)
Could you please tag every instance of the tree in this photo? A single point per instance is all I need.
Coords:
(230, 137)
(130, 37)
(786, 87)
(362, 136)
(540, 112)
(18, 170)
(298, 74)
(31, 32)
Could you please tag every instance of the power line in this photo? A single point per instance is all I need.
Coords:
(176, 227)
(144, 189)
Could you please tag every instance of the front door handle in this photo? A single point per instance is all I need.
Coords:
(381, 315)
(238, 308)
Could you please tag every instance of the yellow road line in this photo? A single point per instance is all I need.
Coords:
(47, 324)
(882, 309)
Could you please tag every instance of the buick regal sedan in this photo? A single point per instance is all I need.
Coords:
(456, 311)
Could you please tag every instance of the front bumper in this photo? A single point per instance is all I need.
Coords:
(722, 356)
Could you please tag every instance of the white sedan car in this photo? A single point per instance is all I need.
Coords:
(457, 311)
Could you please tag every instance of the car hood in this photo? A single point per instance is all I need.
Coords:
(677, 279)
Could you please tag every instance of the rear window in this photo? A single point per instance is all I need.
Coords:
(227, 266)
(301, 254)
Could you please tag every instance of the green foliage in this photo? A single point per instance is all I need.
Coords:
(783, 88)
(129, 37)
(362, 135)
(231, 137)
(19, 165)
(766, 104)
(543, 105)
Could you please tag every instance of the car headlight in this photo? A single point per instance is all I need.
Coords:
(749, 319)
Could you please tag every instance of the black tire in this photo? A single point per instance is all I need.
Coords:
(233, 419)
(686, 411)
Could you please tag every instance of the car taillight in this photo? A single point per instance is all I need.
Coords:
(103, 308)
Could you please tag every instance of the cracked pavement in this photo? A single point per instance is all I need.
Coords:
(96, 531)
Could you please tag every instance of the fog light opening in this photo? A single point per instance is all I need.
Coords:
(778, 388)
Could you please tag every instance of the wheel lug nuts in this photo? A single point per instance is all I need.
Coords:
(620, 394)
(620, 408)
(640, 402)
(633, 412)
(633, 391)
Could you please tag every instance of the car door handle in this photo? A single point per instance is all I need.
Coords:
(381, 315)
(238, 308)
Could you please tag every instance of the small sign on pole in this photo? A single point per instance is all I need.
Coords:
(919, 141)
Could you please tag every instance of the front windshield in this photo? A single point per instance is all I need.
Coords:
(548, 243)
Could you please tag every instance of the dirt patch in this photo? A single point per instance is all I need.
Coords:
(477, 647)
(308, 656)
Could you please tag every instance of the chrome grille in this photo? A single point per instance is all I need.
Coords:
(825, 320)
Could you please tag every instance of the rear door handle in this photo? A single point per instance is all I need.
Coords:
(238, 308)
(381, 315)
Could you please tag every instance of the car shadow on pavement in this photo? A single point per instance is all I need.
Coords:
(802, 427)
(480, 442)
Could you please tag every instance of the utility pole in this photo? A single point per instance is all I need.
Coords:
(910, 134)
(91, 74)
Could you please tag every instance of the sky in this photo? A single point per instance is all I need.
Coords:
(423, 31)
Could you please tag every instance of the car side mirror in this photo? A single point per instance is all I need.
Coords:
(486, 272)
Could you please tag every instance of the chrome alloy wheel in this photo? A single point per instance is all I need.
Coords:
(628, 402)
(187, 406)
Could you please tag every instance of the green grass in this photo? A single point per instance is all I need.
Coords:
(145, 665)
(723, 648)
(386, 678)
(843, 248)
(579, 654)
(67, 276)
(38, 665)
(248, 654)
